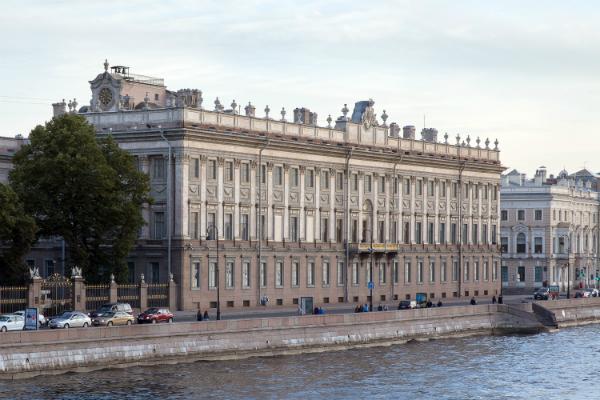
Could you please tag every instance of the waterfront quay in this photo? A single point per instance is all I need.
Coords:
(24, 354)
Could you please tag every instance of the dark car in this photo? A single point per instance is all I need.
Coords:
(542, 293)
(407, 305)
(155, 315)
(111, 308)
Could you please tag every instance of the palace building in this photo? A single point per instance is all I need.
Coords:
(280, 210)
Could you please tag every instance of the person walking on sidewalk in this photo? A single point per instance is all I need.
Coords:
(493, 299)
(473, 301)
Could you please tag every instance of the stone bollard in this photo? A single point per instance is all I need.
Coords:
(114, 290)
(34, 294)
(79, 295)
(172, 294)
(143, 294)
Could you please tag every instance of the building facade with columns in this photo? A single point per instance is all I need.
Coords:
(549, 232)
(289, 212)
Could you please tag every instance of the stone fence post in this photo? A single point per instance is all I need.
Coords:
(79, 294)
(114, 290)
(143, 293)
(172, 294)
(34, 294)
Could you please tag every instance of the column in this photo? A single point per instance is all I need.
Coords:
(203, 177)
(236, 198)
(180, 201)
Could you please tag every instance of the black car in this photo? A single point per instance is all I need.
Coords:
(542, 293)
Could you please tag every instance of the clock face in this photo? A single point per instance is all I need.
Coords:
(105, 96)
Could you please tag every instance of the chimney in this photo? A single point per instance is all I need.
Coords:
(394, 130)
(429, 134)
(408, 132)
(59, 109)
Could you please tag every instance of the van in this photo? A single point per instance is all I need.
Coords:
(111, 308)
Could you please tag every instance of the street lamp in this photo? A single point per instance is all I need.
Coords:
(370, 283)
(216, 232)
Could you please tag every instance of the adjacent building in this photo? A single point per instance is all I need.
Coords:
(549, 233)
(279, 210)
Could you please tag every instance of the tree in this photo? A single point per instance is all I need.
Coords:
(87, 191)
(17, 233)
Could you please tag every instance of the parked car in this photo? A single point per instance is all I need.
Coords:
(155, 315)
(41, 319)
(590, 292)
(11, 322)
(116, 318)
(70, 319)
(542, 293)
(111, 308)
(407, 304)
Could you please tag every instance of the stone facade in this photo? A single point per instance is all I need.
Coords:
(8, 147)
(418, 216)
(549, 230)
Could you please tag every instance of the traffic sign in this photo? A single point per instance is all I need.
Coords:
(371, 285)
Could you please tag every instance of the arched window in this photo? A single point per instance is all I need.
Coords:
(521, 243)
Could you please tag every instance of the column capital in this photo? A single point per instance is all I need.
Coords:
(220, 161)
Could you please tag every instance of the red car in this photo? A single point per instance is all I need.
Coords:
(155, 315)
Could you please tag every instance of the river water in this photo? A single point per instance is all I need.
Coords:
(560, 365)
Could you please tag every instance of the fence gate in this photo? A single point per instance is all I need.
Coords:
(58, 293)
(129, 293)
(96, 295)
(13, 298)
(158, 295)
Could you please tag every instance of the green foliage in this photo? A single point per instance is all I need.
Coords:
(86, 190)
(17, 233)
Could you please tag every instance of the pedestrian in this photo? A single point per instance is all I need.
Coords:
(429, 304)
(357, 309)
(500, 299)
(379, 307)
(385, 307)
(321, 311)
(199, 315)
(493, 299)
(439, 304)
(316, 311)
(366, 308)
(206, 317)
(473, 301)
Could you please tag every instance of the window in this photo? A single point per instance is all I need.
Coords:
(395, 185)
(339, 181)
(494, 234)
(476, 270)
(309, 178)
(325, 229)
(154, 272)
(504, 244)
(294, 177)
(418, 233)
(194, 225)
(407, 272)
(484, 234)
(229, 171)
(381, 186)
(159, 225)
(263, 227)
(355, 182)
(325, 179)
(310, 274)
(453, 238)
(475, 235)
(228, 227)
(393, 230)
(395, 272)
(340, 273)
(407, 186)
(246, 274)
(196, 275)
(367, 183)
(212, 169)
(455, 272)
(245, 173)
(279, 274)
(381, 231)
(339, 230)
(406, 232)
(538, 215)
(244, 226)
(354, 231)
(538, 274)
(465, 233)
(263, 274)
(430, 233)
(195, 168)
(443, 189)
(420, 272)
(521, 215)
(495, 271)
(278, 176)
(476, 191)
(485, 271)
(212, 275)
(442, 232)
(419, 187)
(263, 174)
(295, 274)
(430, 188)
(382, 277)
(294, 229)
(521, 243)
(158, 168)
(325, 274)
(538, 248)
(369, 271)
(454, 190)
(466, 271)
(355, 276)
(229, 274)
(432, 271)
(443, 276)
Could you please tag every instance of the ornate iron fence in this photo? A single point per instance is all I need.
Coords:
(58, 293)
(129, 293)
(96, 295)
(158, 295)
(13, 298)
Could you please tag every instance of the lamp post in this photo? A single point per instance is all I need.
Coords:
(370, 283)
(216, 232)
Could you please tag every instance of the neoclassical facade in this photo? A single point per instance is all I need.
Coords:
(549, 230)
(301, 211)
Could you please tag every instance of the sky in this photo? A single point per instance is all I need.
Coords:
(525, 73)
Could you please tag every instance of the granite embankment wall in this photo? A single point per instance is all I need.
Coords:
(573, 312)
(24, 354)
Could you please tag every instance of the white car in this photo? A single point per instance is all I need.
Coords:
(41, 318)
(11, 322)
(70, 319)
